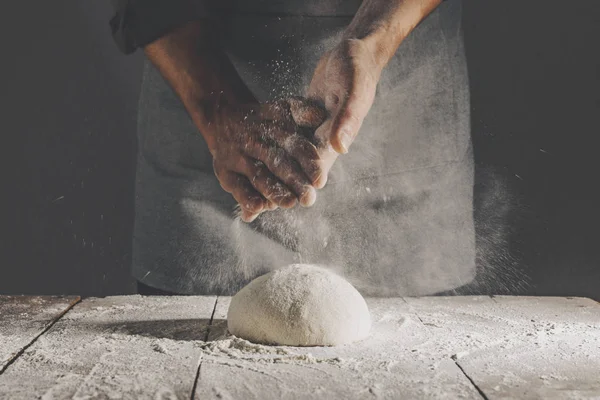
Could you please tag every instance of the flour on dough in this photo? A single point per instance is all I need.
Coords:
(299, 305)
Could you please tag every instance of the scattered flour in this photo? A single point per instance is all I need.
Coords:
(239, 349)
(146, 347)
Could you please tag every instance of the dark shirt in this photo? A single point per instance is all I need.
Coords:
(137, 23)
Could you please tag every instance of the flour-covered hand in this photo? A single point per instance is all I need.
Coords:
(346, 78)
(261, 157)
(344, 82)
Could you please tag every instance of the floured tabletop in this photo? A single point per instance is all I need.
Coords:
(134, 347)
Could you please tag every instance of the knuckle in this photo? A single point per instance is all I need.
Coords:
(314, 170)
(278, 190)
(261, 173)
(291, 143)
(269, 187)
(303, 148)
(276, 156)
(270, 192)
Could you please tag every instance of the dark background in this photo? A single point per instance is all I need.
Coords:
(68, 109)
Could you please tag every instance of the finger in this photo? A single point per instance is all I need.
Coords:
(287, 171)
(276, 121)
(242, 191)
(307, 113)
(306, 155)
(271, 206)
(248, 216)
(300, 149)
(296, 146)
(278, 111)
(266, 183)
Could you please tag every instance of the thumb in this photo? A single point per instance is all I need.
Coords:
(344, 128)
(307, 113)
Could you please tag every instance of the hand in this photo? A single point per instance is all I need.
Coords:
(259, 153)
(344, 82)
(261, 157)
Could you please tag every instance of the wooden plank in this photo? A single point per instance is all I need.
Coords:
(128, 347)
(521, 347)
(554, 350)
(140, 347)
(456, 324)
(24, 318)
(389, 364)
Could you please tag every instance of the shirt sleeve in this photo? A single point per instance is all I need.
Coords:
(137, 23)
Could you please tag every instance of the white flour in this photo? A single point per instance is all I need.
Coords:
(136, 347)
(234, 348)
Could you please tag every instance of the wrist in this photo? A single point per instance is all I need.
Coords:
(381, 48)
(383, 25)
(382, 42)
(207, 114)
(200, 73)
(364, 53)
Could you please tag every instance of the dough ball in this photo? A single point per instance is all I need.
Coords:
(299, 305)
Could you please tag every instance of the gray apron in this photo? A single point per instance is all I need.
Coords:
(396, 217)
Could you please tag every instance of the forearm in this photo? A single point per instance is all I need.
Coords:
(191, 61)
(384, 24)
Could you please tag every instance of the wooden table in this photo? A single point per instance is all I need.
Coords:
(133, 347)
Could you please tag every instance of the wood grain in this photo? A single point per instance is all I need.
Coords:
(128, 347)
(521, 347)
(134, 347)
(24, 318)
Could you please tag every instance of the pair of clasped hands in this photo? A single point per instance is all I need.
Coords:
(271, 155)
